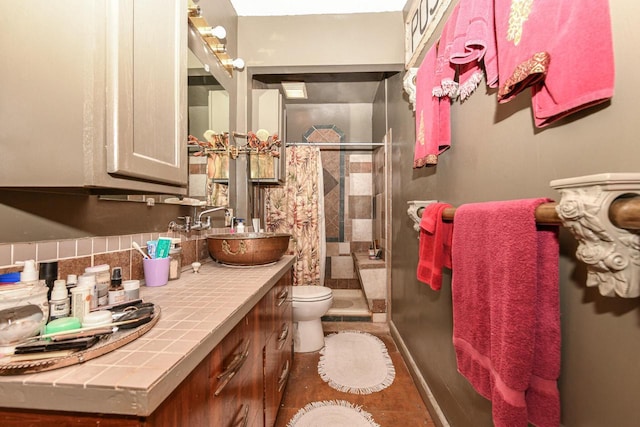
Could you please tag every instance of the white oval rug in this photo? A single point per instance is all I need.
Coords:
(334, 413)
(356, 362)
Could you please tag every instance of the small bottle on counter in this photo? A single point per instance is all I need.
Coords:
(81, 298)
(88, 280)
(240, 225)
(103, 280)
(131, 290)
(59, 302)
(116, 290)
(175, 264)
(29, 273)
(72, 281)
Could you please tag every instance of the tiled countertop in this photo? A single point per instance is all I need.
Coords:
(197, 311)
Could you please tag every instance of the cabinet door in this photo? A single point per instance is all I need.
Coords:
(188, 404)
(146, 89)
(278, 357)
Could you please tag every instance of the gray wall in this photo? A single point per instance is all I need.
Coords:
(352, 40)
(498, 154)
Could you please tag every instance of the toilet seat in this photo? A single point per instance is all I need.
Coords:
(308, 293)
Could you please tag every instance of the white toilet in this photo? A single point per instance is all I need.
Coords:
(310, 303)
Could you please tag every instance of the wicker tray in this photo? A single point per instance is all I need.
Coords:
(113, 342)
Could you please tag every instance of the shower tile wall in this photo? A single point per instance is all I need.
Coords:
(356, 219)
(348, 205)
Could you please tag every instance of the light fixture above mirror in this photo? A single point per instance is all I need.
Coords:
(214, 38)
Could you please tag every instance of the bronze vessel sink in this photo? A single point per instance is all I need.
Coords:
(248, 248)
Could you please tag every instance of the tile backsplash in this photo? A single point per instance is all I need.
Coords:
(74, 255)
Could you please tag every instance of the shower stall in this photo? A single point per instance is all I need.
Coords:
(352, 139)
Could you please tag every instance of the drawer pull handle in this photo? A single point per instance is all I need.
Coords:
(283, 335)
(245, 416)
(283, 376)
(244, 421)
(283, 296)
(237, 361)
(232, 369)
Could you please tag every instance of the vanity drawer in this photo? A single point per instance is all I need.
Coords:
(236, 375)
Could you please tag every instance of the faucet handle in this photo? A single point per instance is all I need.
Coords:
(186, 219)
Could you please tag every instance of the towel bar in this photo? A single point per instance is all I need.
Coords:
(603, 213)
(623, 213)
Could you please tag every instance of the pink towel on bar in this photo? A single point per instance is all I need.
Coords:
(435, 245)
(429, 141)
(564, 52)
(506, 320)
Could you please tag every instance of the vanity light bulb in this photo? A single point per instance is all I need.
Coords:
(219, 32)
(238, 63)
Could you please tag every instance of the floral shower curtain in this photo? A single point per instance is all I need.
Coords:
(297, 208)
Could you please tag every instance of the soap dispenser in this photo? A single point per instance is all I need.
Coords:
(48, 271)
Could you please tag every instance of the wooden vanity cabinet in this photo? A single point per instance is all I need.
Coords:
(225, 389)
(95, 95)
(240, 383)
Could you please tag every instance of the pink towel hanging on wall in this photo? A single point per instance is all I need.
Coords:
(562, 49)
(474, 45)
(429, 141)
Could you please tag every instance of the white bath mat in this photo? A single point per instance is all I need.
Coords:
(356, 362)
(334, 413)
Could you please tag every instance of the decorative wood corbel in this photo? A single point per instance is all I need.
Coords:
(612, 254)
(409, 84)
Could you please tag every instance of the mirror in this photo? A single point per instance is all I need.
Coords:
(208, 110)
(208, 103)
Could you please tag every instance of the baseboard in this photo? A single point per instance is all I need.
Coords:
(423, 388)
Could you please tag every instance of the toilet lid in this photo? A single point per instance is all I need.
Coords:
(310, 293)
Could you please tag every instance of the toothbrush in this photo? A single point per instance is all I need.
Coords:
(139, 249)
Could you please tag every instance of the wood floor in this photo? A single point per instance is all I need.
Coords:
(398, 405)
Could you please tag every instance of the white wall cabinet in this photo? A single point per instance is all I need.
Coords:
(94, 95)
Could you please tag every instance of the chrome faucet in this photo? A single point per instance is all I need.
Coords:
(195, 223)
